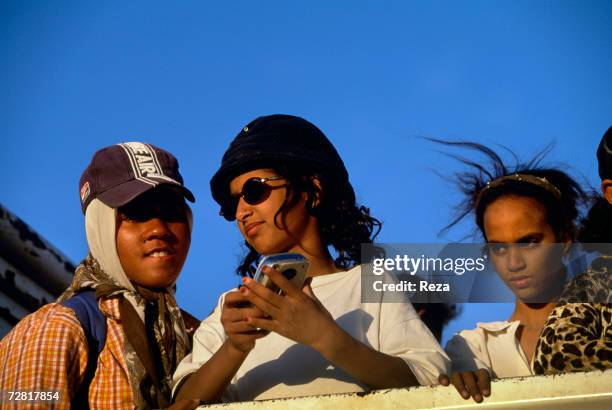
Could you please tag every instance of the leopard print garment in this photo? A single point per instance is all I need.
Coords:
(578, 336)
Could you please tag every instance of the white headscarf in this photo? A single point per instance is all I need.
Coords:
(101, 231)
(103, 269)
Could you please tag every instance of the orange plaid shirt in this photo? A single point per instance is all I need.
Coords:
(47, 351)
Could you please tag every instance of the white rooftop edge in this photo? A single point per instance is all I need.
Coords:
(578, 391)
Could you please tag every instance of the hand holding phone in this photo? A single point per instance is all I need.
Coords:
(295, 313)
(292, 266)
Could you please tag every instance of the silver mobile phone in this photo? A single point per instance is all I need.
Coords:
(292, 266)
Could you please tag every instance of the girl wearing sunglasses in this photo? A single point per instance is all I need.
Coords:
(287, 189)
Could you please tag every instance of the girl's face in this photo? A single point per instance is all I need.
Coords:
(289, 232)
(153, 238)
(523, 248)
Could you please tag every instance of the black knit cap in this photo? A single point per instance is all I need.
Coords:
(604, 155)
(277, 139)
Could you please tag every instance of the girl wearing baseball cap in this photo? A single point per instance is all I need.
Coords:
(284, 184)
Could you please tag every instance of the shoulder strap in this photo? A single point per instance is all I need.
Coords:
(93, 322)
(91, 318)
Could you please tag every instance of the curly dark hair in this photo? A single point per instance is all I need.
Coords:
(562, 210)
(343, 224)
(596, 227)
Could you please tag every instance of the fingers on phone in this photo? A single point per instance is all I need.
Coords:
(238, 327)
(279, 280)
(244, 327)
(261, 323)
(239, 314)
(256, 291)
(264, 305)
(234, 298)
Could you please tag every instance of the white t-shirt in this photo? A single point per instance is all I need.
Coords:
(278, 367)
(492, 346)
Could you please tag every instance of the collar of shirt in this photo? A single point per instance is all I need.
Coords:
(506, 354)
(499, 326)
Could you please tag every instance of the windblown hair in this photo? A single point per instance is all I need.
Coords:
(561, 211)
(343, 224)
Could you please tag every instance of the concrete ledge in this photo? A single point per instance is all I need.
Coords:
(567, 391)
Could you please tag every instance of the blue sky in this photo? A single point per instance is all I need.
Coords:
(374, 76)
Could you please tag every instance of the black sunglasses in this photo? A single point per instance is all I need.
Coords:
(254, 191)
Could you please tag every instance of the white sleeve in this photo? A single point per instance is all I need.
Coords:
(207, 339)
(468, 351)
(411, 340)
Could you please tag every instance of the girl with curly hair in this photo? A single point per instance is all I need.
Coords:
(288, 190)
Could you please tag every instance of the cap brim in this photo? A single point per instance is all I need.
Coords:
(123, 193)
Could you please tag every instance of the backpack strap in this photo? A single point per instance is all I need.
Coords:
(93, 322)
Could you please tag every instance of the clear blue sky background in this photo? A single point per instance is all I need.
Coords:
(373, 75)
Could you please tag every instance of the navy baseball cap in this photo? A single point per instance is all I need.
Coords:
(119, 173)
